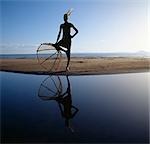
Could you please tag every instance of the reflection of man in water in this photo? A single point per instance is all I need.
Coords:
(68, 111)
(66, 38)
(64, 100)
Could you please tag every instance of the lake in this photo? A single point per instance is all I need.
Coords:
(98, 108)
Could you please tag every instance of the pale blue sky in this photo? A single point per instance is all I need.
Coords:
(104, 25)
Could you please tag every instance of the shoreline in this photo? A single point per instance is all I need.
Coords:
(74, 74)
(80, 66)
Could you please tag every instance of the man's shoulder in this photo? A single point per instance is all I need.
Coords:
(62, 25)
(70, 24)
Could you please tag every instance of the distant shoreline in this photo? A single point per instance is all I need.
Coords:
(80, 66)
(80, 55)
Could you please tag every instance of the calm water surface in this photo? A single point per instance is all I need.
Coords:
(101, 108)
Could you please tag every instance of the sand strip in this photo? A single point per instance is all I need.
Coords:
(79, 66)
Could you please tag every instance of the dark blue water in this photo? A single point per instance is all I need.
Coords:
(101, 108)
(95, 55)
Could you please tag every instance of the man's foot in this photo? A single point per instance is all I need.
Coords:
(67, 68)
(56, 47)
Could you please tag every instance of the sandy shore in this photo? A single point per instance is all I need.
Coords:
(79, 66)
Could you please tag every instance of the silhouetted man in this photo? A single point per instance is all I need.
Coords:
(66, 38)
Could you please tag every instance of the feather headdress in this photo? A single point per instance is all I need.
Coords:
(69, 12)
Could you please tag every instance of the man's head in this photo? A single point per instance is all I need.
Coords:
(65, 17)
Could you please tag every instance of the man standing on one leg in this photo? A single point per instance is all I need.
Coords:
(66, 38)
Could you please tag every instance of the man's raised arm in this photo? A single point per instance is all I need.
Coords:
(59, 33)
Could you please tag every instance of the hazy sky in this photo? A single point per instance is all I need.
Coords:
(104, 25)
